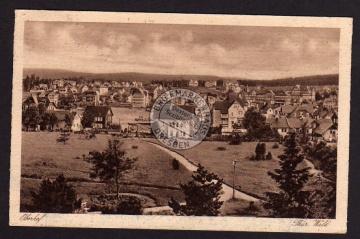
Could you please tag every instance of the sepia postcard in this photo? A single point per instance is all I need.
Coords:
(180, 121)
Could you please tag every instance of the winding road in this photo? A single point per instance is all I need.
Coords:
(227, 190)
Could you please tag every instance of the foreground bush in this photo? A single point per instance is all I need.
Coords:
(202, 195)
(127, 204)
(55, 197)
(221, 148)
(235, 139)
(175, 164)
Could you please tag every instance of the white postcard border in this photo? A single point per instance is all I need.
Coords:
(337, 225)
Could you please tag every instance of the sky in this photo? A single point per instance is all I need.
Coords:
(228, 51)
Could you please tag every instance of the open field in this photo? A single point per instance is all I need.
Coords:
(152, 177)
(251, 176)
(43, 157)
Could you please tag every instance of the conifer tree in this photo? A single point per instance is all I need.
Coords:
(55, 197)
(291, 201)
(111, 164)
(202, 195)
(64, 136)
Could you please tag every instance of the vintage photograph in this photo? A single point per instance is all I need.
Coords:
(176, 121)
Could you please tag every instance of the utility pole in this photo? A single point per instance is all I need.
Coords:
(234, 164)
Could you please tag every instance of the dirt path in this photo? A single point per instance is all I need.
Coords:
(227, 190)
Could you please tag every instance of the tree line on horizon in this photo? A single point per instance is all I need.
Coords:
(35, 78)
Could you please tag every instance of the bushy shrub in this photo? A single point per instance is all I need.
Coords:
(175, 164)
(252, 208)
(134, 147)
(269, 156)
(252, 157)
(35, 176)
(129, 205)
(275, 146)
(55, 197)
(260, 151)
(235, 139)
(217, 137)
(221, 148)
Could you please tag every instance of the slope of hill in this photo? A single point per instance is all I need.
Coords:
(146, 78)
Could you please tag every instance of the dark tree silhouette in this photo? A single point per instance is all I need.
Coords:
(55, 197)
(291, 201)
(87, 119)
(30, 117)
(111, 164)
(260, 151)
(68, 120)
(325, 158)
(63, 137)
(202, 195)
(256, 126)
(53, 120)
(128, 206)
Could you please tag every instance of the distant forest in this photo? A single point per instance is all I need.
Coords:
(46, 75)
(306, 80)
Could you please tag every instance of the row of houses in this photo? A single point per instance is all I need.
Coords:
(310, 119)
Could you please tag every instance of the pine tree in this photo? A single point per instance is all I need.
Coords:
(260, 151)
(202, 195)
(111, 164)
(64, 136)
(55, 197)
(291, 201)
(68, 120)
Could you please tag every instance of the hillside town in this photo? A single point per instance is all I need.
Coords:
(125, 106)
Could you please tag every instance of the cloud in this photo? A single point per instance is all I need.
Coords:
(254, 52)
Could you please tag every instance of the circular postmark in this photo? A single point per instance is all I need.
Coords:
(180, 118)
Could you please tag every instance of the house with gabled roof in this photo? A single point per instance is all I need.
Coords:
(228, 114)
(91, 97)
(76, 125)
(73, 89)
(326, 130)
(297, 124)
(286, 110)
(331, 102)
(282, 97)
(51, 107)
(101, 116)
(303, 93)
(30, 101)
(193, 83)
(265, 96)
(210, 84)
(54, 98)
(138, 98)
(159, 90)
(280, 124)
(302, 111)
(83, 88)
(103, 90)
(60, 123)
(268, 110)
(43, 87)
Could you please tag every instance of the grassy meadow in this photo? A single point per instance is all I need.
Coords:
(251, 176)
(153, 178)
(43, 157)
